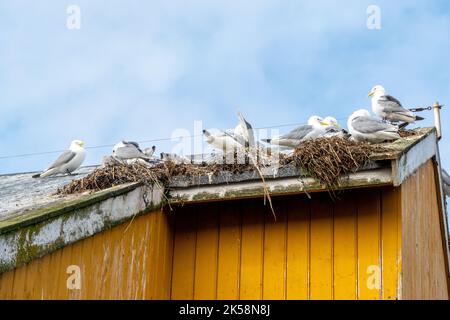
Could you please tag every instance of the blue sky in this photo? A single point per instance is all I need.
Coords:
(139, 70)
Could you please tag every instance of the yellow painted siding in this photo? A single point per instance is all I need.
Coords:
(424, 273)
(317, 249)
(365, 244)
(127, 263)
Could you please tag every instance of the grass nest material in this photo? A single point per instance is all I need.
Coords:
(113, 175)
(330, 159)
(117, 173)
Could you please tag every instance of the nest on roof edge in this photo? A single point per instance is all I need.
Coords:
(326, 159)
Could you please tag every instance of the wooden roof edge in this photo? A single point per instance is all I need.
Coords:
(276, 187)
(413, 157)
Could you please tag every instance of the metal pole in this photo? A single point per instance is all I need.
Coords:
(437, 119)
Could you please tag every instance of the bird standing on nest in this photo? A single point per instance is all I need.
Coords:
(67, 162)
(227, 142)
(389, 108)
(128, 150)
(364, 127)
(333, 128)
(315, 128)
(244, 132)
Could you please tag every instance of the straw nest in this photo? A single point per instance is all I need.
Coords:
(329, 160)
(325, 159)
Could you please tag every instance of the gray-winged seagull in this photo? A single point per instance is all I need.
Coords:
(67, 162)
(389, 108)
(314, 129)
(364, 127)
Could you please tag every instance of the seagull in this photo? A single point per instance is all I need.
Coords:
(364, 127)
(333, 128)
(224, 141)
(446, 183)
(245, 130)
(67, 162)
(126, 150)
(389, 108)
(174, 158)
(315, 128)
(149, 151)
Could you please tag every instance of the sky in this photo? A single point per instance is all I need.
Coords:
(145, 70)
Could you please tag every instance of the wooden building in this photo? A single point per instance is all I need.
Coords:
(383, 237)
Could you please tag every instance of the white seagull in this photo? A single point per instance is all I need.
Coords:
(333, 128)
(245, 130)
(149, 151)
(389, 108)
(126, 150)
(364, 127)
(446, 183)
(315, 128)
(175, 158)
(67, 162)
(224, 141)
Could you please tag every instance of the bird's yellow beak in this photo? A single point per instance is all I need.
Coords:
(370, 94)
(82, 143)
(323, 123)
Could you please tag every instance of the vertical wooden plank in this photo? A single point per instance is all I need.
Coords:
(19, 286)
(252, 252)
(65, 261)
(274, 272)
(389, 246)
(165, 251)
(87, 277)
(298, 218)
(205, 286)
(369, 282)
(47, 277)
(6, 285)
(229, 253)
(184, 255)
(76, 259)
(345, 248)
(152, 250)
(321, 264)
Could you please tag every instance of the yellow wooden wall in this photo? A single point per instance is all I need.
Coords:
(119, 263)
(382, 243)
(317, 249)
(424, 267)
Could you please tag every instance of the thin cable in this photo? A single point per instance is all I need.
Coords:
(23, 155)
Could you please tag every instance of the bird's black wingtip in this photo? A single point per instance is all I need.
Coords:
(266, 140)
(418, 118)
(36, 175)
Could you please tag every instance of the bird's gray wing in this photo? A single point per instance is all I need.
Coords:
(370, 125)
(129, 151)
(248, 126)
(239, 139)
(64, 158)
(133, 143)
(391, 105)
(298, 133)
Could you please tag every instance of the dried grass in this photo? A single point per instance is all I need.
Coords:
(326, 159)
(330, 159)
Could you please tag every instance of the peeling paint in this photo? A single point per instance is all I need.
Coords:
(26, 243)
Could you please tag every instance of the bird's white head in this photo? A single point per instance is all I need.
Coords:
(356, 114)
(76, 144)
(377, 90)
(316, 121)
(331, 121)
